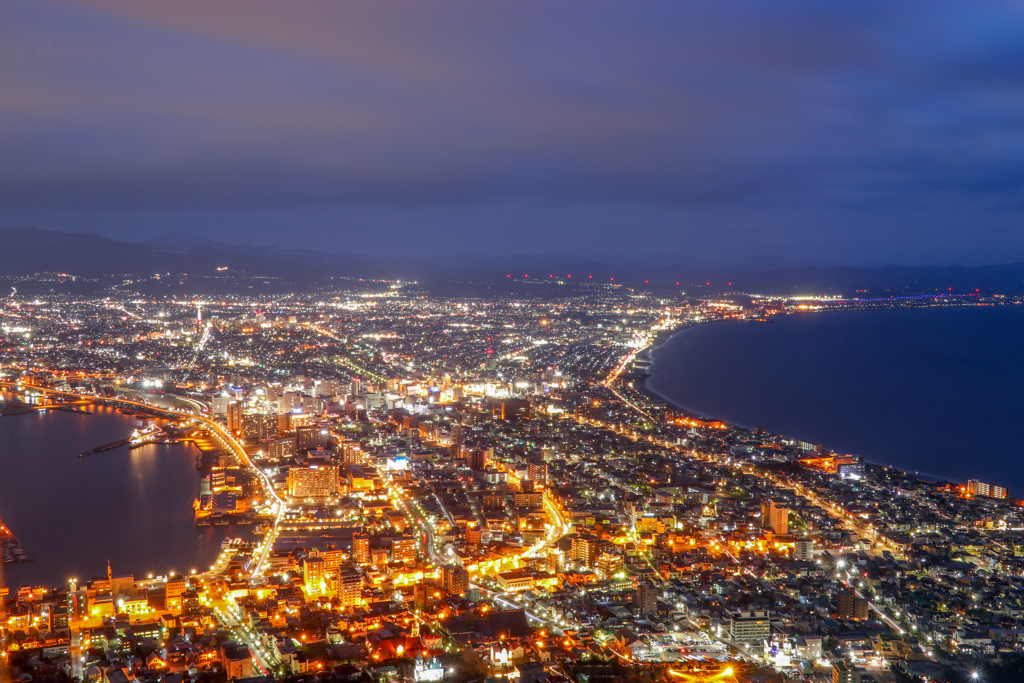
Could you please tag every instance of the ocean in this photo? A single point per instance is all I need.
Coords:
(936, 391)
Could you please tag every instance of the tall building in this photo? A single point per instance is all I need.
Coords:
(311, 437)
(456, 580)
(804, 550)
(538, 471)
(350, 586)
(775, 517)
(283, 447)
(512, 409)
(257, 427)
(361, 548)
(476, 458)
(610, 562)
(843, 672)
(316, 482)
(750, 626)
(852, 607)
(220, 404)
(584, 549)
(403, 549)
(351, 452)
(980, 488)
(314, 575)
(234, 413)
(647, 599)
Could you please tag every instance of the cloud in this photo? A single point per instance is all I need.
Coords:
(721, 116)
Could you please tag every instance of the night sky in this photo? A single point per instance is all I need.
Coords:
(815, 131)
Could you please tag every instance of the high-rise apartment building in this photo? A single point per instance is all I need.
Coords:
(456, 580)
(350, 586)
(316, 482)
(311, 437)
(647, 599)
(403, 549)
(234, 414)
(361, 548)
(750, 626)
(852, 607)
(804, 550)
(775, 517)
(980, 488)
(843, 672)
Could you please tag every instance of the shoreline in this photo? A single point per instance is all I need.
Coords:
(660, 342)
(50, 566)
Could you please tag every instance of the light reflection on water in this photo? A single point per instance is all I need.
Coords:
(72, 515)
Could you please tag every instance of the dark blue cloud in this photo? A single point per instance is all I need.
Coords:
(868, 132)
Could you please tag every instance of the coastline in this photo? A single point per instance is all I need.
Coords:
(650, 371)
(128, 476)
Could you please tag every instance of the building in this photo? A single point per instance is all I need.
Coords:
(804, 550)
(528, 500)
(584, 550)
(234, 415)
(361, 548)
(845, 673)
(775, 517)
(332, 557)
(475, 458)
(852, 607)
(257, 427)
(312, 437)
(220, 404)
(350, 586)
(538, 471)
(750, 626)
(610, 562)
(515, 580)
(980, 488)
(456, 580)
(314, 575)
(279, 449)
(319, 482)
(236, 660)
(427, 671)
(646, 599)
(513, 409)
(403, 549)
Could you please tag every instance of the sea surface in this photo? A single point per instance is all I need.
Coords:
(132, 507)
(937, 391)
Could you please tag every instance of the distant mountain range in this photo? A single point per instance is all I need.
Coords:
(25, 251)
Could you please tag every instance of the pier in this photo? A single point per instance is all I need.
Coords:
(15, 407)
(106, 447)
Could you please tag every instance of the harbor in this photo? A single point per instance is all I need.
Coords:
(153, 484)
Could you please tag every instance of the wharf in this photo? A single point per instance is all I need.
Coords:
(106, 447)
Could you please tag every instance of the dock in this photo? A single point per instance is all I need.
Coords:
(106, 447)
